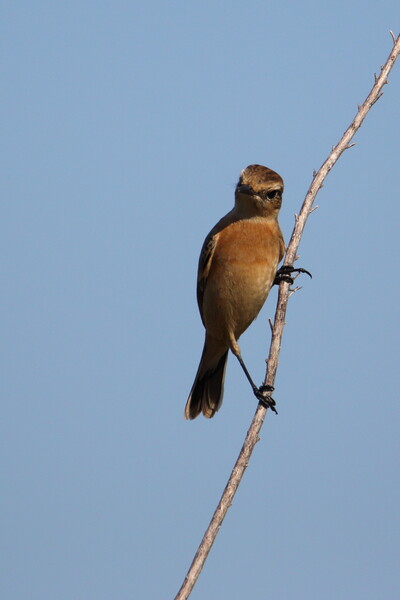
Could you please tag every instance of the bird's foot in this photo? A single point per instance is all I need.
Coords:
(285, 272)
(264, 398)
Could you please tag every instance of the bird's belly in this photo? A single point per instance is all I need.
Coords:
(249, 291)
(236, 295)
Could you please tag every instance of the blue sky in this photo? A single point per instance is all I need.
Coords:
(125, 126)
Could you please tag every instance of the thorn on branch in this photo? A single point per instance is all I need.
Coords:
(314, 173)
(294, 290)
(393, 36)
(313, 208)
(359, 105)
(375, 77)
(272, 329)
(377, 98)
(350, 145)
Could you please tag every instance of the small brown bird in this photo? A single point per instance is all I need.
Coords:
(237, 268)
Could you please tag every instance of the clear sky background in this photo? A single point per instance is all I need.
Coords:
(125, 126)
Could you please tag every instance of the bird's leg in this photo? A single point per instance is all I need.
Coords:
(260, 393)
(285, 272)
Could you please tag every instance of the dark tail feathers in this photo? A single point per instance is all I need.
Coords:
(207, 391)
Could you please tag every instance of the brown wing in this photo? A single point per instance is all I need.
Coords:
(206, 256)
(282, 247)
(205, 260)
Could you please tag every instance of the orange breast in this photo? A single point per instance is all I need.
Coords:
(243, 269)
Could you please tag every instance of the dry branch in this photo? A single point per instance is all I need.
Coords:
(279, 323)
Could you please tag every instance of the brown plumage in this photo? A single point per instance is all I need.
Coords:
(237, 267)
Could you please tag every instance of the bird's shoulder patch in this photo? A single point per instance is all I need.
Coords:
(207, 253)
(205, 261)
(282, 247)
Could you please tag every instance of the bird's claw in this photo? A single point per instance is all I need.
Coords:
(284, 274)
(266, 388)
(264, 398)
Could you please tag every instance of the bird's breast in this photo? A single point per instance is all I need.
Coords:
(243, 269)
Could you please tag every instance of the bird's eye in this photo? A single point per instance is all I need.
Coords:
(272, 194)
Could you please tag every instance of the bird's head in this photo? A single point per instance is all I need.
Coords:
(259, 191)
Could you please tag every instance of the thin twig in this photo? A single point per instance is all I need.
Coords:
(253, 433)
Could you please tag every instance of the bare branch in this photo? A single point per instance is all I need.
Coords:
(294, 290)
(253, 433)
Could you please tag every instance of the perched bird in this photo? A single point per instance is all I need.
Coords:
(237, 268)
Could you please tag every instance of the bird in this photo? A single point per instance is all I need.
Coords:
(237, 267)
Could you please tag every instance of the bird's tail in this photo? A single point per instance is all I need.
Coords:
(208, 388)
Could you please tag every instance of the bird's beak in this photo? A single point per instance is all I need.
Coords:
(245, 189)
